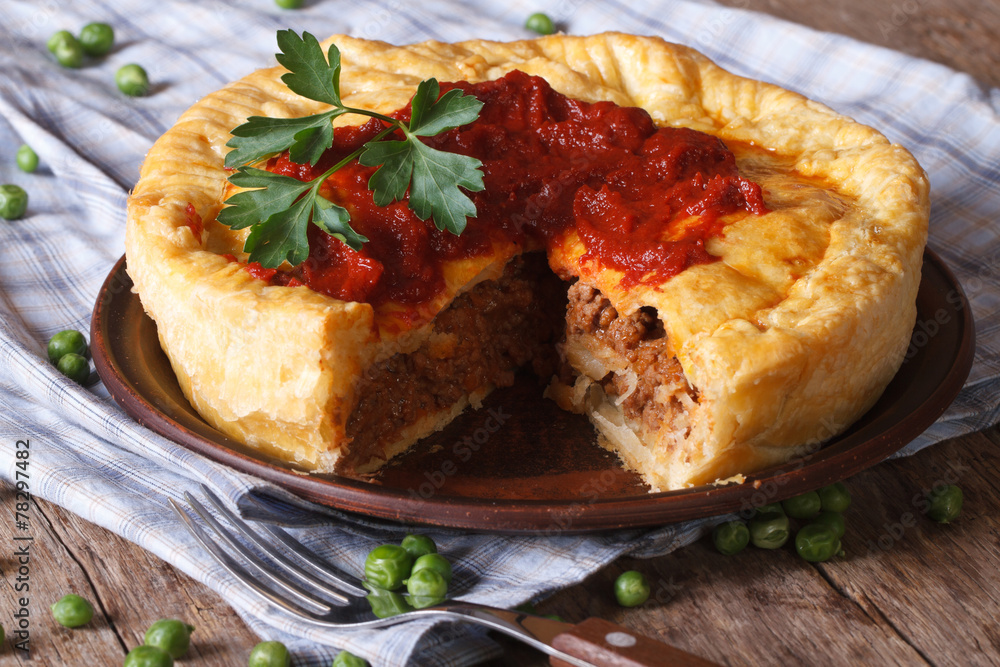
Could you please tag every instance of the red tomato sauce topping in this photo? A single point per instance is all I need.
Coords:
(642, 199)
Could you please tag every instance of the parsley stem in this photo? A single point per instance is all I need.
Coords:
(355, 154)
(372, 114)
(318, 181)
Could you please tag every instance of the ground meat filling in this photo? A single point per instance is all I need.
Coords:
(659, 390)
(483, 337)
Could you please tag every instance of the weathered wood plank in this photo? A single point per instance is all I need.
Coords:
(129, 588)
(961, 34)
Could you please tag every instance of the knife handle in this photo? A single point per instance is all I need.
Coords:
(608, 645)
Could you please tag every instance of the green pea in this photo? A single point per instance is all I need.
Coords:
(817, 543)
(631, 589)
(426, 584)
(132, 80)
(418, 545)
(65, 342)
(72, 611)
(147, 656)
(540, 23)
(1, 635)
(171, 636)
(289, 4)
(435, 562)
(388, 566)
(75, 367)
(731, 537)
(805, 506)
(68, 51)
(13, 201)
(426, 588)
(769, 530)
(27, 159)
(97, 38)
(386, 603)
(57, 38)
(346, 659)
(772, 507)
(269, 654)
(832, 520)
(835, 497)
(945, 503)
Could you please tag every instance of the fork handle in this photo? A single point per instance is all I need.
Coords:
(604, 643)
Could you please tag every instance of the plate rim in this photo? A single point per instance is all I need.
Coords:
(536, 516)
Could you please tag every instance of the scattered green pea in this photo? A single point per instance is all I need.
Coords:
(269, 654)
(816, 543)
(832, 520)
(57, 38)
(67, 50)
(27, 159)
(769, 530)
(731, 537)
(631, 589)
(132, 80)
(97, 38)
(75, 367)
(835, 497)
(426, 588)
(171, 636)
(540, 23)
(347, 659)
(386, 603)
(945, 503)
(13, 201)
(72, 611)
(804, 506)
(387, 566)
(771, 507)
(289, 4)
(418, 545)
(435, 562)
(65, 342)
(414, 563)
(147, 656)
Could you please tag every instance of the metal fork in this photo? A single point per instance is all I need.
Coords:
(317, 592)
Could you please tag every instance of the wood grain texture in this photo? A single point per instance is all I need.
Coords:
(909, 592)
(128, 587)
(961, 34)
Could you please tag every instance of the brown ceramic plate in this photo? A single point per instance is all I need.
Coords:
(520, 465)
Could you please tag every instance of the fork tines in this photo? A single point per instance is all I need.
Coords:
(333, 585)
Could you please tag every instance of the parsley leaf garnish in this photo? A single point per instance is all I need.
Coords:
(433, 176)
(278, 209)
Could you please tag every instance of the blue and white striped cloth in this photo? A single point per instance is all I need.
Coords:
(88, 456)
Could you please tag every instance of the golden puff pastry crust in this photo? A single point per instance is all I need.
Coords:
(788, 339)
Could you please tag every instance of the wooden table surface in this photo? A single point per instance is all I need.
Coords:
(909, 592)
